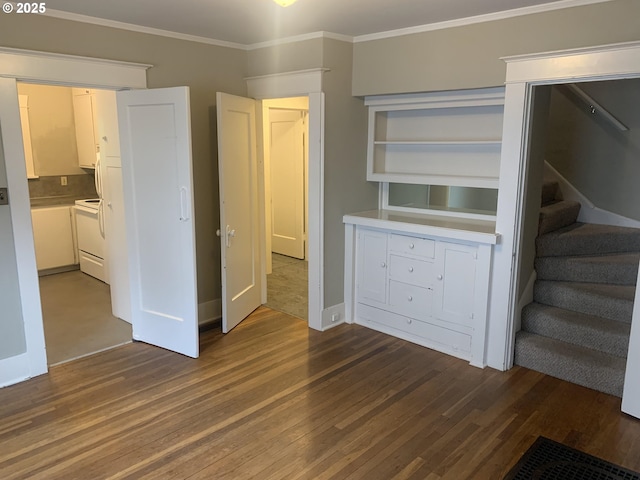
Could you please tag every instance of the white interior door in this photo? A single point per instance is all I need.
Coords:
(239, 221)
(110, 167)
(155, 140)
(286, 134)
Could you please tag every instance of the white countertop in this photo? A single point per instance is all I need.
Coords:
(480, 231)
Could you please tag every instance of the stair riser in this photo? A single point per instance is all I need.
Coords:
(556, 216)
(549, 192)
(609, 337)
(554, 245)
(557, 269)
(613, 309)
(598, 376)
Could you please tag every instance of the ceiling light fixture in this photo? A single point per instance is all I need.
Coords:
(285, 3)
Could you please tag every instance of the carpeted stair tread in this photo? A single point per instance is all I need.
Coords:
(614, 302)
(616, 268)
(557, 215)
(588, 239)
(550, 192)
(602, 334)
(573, 363)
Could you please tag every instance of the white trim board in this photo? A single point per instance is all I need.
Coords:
(288, 84)
(209, 312)
(489, 17)
(295, 84)
(589, 212)
(333, 316)
(523, 74)
(52, 69)
(70, 70)
(14, 370)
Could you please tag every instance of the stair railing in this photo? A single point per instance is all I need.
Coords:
(596, 108)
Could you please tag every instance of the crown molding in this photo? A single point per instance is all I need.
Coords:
(489, 17)
(300, 38)
(76, 17)
(517, 12)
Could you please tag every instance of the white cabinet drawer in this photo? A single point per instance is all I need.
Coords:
(411, 270)
(421, 247)
(425, 333)
(410, 300)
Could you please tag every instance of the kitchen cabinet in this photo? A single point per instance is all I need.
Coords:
(87, 139)
(420, 280)
(54, 237)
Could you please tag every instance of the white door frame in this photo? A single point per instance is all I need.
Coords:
(524, 72)
(47, 69)
(296, 84)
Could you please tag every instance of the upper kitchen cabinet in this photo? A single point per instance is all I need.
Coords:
(84, 110)
(440, 138)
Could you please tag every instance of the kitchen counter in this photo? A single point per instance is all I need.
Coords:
(54, 201)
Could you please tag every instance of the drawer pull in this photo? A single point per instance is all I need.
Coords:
(411, 269)
(409, 321)
(439, 277)
(411, 246)
(382, 264)
(410, 298)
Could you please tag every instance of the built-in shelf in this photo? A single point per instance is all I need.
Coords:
(443, 138)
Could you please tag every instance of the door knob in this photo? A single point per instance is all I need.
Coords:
(217, 232)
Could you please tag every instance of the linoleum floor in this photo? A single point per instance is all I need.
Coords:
(76, 310)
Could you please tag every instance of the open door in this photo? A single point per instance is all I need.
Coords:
(239, 222)
(286, 133)
(155, 140)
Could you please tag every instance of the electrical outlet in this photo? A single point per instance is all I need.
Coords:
(63, 181)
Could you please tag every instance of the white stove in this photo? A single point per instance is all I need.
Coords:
(91, 243)
(93, 203)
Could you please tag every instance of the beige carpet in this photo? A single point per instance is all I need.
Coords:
(77, 317)
(287, 286)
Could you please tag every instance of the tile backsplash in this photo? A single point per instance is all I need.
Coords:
(50, 191)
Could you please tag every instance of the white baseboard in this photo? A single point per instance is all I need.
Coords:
(332, 316)
(589, 212)
(209, 312)
(14, 369)
(525, 299)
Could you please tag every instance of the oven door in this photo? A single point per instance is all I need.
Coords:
(88, 227)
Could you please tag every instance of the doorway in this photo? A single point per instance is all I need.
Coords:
(285, 157)
(59, 127)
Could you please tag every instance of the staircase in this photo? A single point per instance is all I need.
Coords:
(577, 327)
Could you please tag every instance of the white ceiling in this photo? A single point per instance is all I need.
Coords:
(248, 22)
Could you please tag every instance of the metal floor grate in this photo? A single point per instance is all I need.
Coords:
(549, 460)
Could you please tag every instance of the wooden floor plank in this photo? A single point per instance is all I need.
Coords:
(275, 400)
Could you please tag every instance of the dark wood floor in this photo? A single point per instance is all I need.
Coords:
(273, 400)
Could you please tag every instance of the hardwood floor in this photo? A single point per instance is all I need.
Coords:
(274, 400)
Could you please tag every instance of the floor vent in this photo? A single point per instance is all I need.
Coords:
(549, 460)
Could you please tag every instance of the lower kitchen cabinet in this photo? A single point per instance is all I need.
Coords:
(54, 237)
(424, 284)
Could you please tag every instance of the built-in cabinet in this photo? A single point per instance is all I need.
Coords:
(85, 117)
(426, 287)
(417, 271)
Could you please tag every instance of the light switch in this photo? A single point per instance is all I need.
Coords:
(4, 196)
